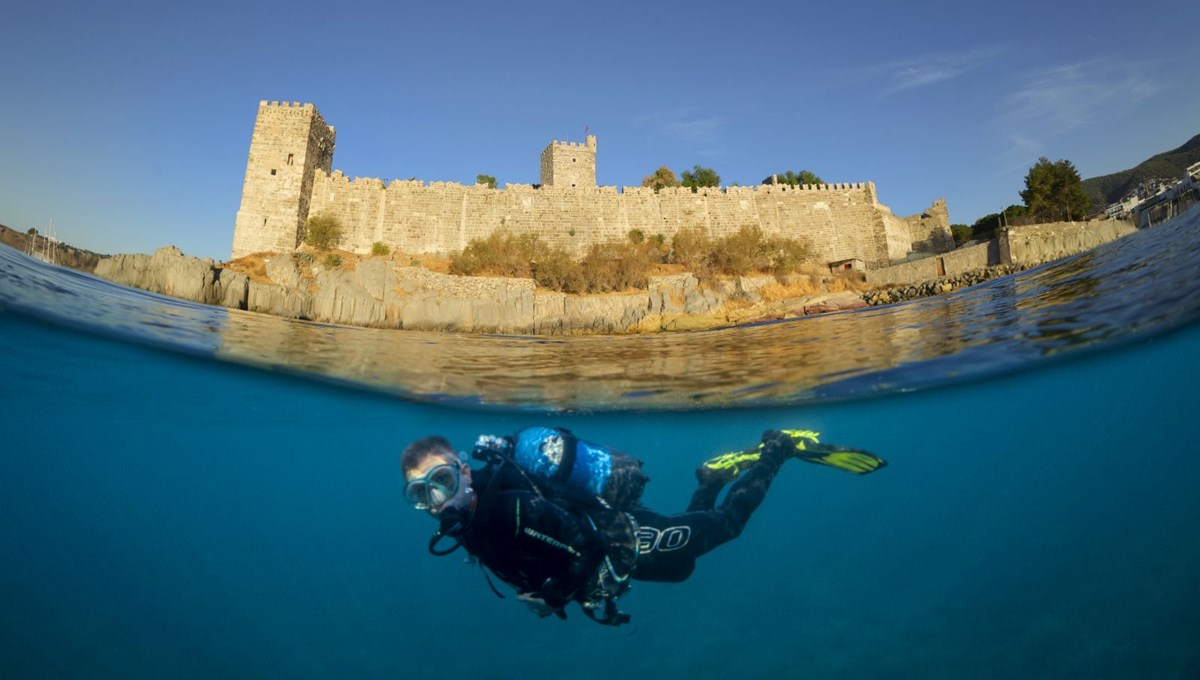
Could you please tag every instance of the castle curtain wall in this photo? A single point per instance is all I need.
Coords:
(840, 221)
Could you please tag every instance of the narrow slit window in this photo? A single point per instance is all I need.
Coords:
(272, 172)
(290, 158)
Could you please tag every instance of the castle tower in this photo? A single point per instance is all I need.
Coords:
(290, 143)
(570, 164)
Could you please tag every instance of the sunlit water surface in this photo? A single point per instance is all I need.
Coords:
(179, 514)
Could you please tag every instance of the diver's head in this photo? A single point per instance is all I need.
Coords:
(436, 478)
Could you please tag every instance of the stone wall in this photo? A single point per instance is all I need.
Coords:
(1026, 245)
(1043, 242)
(840, 221)
(936, 266)
(288, 179)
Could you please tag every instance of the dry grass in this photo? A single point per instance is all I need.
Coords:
(254, 266)
(774, 292)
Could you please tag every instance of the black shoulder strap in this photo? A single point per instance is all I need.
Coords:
(570, 451)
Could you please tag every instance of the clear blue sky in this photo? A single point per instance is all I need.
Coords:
(128, 123)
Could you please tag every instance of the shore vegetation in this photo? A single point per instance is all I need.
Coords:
(323, 232)
(628, 264)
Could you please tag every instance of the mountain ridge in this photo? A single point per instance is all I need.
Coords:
(1172, 164)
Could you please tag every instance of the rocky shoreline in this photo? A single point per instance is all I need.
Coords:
(945, 284)
(380, 293)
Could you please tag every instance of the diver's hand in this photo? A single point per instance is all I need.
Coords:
(537, 605)
(488, 446)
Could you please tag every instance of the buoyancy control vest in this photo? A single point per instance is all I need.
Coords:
(607, 483)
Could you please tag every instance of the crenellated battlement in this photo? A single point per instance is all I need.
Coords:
(286, 105)
(589, 144)
(289, 177)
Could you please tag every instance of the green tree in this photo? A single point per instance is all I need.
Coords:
(794, 178)
(961, 232)
(1054, 191)
(662, 178)
(486, 179)
(701, 177)
(32, 231)
(323, 232)
(987, 225)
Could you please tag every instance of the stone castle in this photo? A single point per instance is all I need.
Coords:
(289, 178)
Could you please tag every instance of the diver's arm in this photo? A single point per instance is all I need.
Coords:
(566, 539)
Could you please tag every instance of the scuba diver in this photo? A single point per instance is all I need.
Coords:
(560, 520)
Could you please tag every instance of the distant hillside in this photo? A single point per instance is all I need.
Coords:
(1171, 164)
(68, 256)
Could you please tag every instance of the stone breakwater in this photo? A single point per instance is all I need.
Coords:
(382, 294)
(944, 284)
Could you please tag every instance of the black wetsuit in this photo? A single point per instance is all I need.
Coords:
(668, 545)
(555, 548)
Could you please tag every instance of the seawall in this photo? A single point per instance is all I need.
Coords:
(1020, 245)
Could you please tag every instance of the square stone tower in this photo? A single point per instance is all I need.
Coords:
(570, 164)
(290, 143)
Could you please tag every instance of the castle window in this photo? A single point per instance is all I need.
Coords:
(272, 172)
(290, 158)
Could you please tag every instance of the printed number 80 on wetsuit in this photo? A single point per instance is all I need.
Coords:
(662, 540)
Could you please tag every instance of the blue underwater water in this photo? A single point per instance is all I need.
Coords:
(167, 510)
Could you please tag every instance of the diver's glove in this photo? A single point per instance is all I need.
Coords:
(489, 447)
(539, 606)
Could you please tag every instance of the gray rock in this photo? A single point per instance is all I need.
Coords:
(282, 270)
(270, 299)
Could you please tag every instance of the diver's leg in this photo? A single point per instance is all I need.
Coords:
(748, 491)
(668, 545)
(705, 495)
(714, 473)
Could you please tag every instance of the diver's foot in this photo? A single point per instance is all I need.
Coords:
(790, 442)
(803, 444)
(726, 467)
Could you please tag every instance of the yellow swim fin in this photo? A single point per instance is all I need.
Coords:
(843, 458)
(810, 449)
(802, 444)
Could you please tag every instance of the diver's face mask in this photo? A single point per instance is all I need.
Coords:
(434, 489)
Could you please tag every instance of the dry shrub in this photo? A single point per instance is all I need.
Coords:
(617, 266)
(624, 265)
(557, 270)
(502, 254)
(740, 253)
(323, 232)
(748, 250)
(843, 281)
(692, 248)
(788, 255)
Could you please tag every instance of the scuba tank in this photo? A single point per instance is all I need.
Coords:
(554, 455)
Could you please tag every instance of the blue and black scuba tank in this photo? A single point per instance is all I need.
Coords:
(560, 460)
